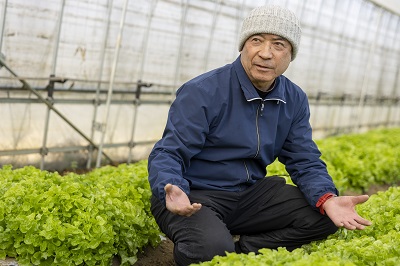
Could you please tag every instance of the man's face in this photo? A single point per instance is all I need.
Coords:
(264, 57)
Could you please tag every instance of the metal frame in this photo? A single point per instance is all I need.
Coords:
(334, 102)
(49, 104)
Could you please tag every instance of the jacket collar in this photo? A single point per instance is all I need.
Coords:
(250, 93)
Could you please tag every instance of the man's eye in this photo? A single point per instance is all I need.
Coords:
(279, 45)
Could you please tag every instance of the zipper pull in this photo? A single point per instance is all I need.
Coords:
(262, 108)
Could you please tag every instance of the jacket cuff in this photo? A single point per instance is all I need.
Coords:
(322, 200)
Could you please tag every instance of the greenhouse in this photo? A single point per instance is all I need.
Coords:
(85, 92)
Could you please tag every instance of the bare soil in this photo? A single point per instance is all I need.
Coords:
(161, 255)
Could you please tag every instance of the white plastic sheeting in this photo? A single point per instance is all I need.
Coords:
(348, 63)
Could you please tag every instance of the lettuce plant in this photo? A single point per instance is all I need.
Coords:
(49, 219)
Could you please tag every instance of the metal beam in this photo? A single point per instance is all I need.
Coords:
(390, 5)
(111, 84)
(50, 106)
(72, 148)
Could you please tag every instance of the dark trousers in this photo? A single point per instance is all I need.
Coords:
(269, 214)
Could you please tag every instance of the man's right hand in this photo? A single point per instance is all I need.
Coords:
(178, 202)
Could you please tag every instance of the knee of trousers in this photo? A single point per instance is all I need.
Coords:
(332, 228)
(326, 227)
(197, 251)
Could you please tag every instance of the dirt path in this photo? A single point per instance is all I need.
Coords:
(160, 256)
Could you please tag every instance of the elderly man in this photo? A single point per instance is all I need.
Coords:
(207, 173)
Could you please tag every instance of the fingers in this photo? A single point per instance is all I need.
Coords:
(363, 221)
(358, 223)
(348, 225)
(352, 225)
(168, 191)
(190, 210)
(178, 202)
(347, 217)
(168, 188)
(360, 199)
(195, 208)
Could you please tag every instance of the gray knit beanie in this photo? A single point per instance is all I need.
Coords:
(273, 20)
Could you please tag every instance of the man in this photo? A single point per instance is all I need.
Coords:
(207, 173)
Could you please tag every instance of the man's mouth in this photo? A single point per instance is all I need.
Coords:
(264, 67)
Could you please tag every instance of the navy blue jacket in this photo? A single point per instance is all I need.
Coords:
(221, 135)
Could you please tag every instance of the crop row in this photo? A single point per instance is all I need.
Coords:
(49, 219)
(378, 244)
(357, 161)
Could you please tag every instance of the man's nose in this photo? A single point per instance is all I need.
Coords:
(266, 51)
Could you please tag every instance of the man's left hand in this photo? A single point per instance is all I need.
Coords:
(341, 210)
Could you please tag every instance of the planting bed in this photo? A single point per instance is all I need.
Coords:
(102, 217)
(163, 254)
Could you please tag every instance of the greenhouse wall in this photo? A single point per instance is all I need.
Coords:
(85, 83)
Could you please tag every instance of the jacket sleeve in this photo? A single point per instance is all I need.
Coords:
(184, 136)
(301, 157)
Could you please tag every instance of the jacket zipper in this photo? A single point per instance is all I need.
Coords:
(262, 108)
(259, 113)
(258, 138)
(247, 171)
